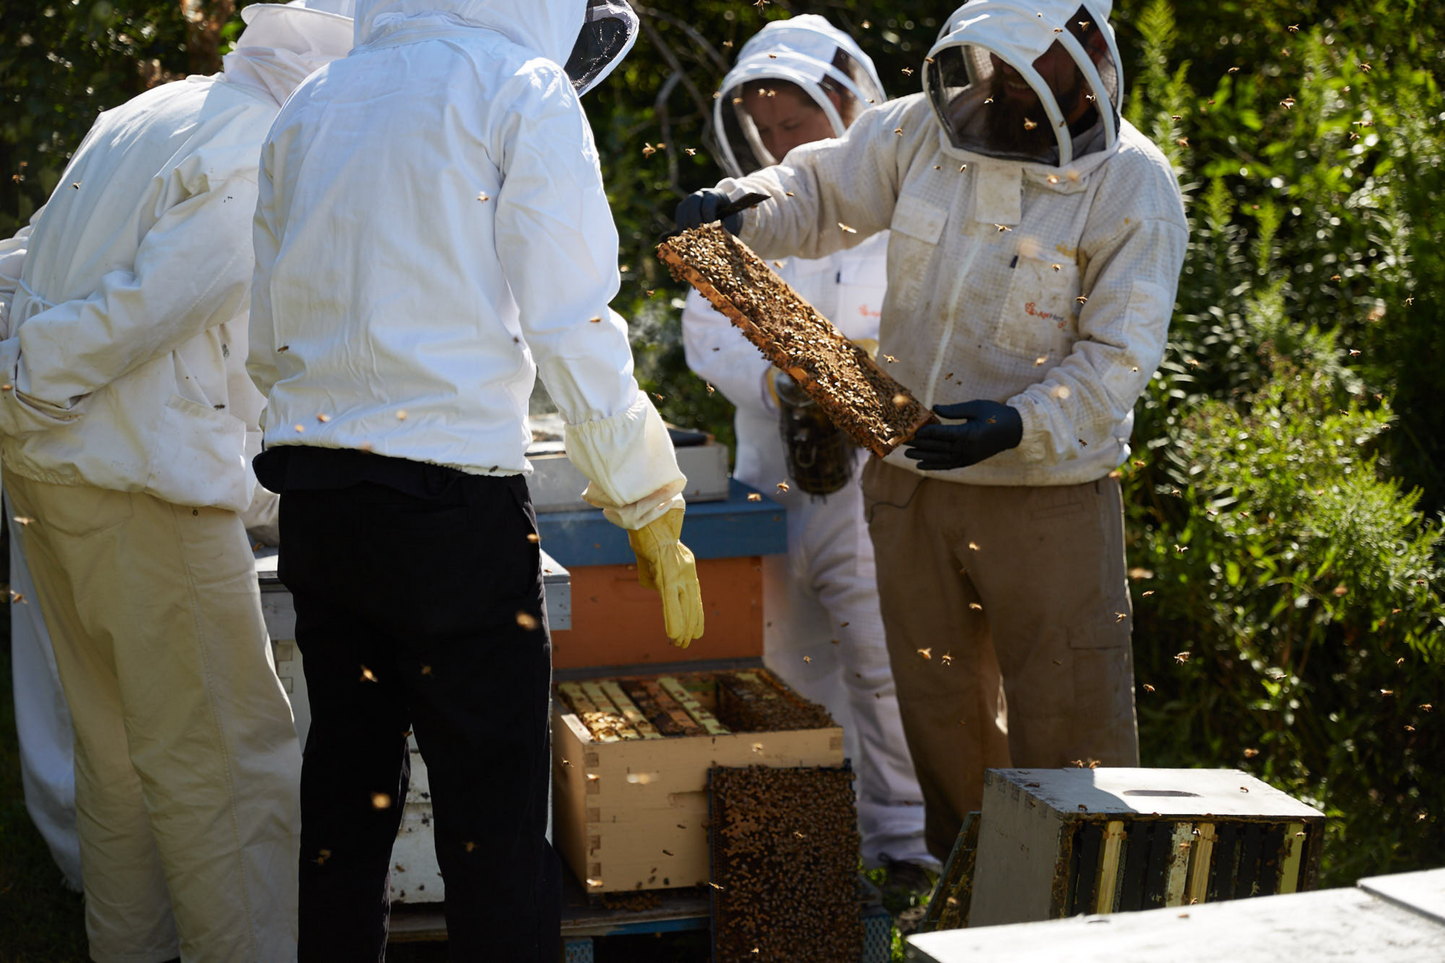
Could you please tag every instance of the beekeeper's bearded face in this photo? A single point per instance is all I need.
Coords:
(1023, 81)
(1015, 101)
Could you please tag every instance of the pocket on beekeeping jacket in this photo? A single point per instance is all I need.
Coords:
(199, 457)
(1039, 317)
(912, 244)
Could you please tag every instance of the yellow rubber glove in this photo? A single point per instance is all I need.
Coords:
(664, 563)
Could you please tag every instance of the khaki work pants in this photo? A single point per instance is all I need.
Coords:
(187, 768)
(1018, 598)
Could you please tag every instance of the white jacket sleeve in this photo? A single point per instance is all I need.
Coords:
(19, 414)
(261, 356)
(853, 180)
(558, 248)
(12, 265)
(718, 353)
(183, 282)
(1130, 283)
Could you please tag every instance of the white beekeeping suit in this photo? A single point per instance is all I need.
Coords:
(1077, 402)
(820, 600)
(42, 719)
(1035, 244)
(432, 235)
(538, 293)
(127, 404)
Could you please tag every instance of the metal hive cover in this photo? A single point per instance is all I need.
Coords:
(1184, 793)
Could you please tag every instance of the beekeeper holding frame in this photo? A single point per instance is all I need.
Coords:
(1035, 245)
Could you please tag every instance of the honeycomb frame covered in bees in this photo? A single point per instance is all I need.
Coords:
(784, 865)
(877, 412)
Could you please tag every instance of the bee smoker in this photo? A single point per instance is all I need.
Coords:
(820, 455)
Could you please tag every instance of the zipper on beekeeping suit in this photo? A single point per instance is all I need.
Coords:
(960, 277)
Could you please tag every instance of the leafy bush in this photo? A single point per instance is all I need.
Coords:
(62, 64)
(1291, 624)
(1313, 158)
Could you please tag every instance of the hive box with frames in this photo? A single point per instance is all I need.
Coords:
(630, 795)
(1052, 843)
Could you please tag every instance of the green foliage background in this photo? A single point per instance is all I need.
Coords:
(1290, 455)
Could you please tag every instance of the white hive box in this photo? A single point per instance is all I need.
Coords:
(1059, 842)
(414, 874)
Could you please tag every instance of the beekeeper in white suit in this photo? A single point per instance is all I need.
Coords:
(797, 81)
(124, 419)
(43, 729)
(432, 235)
(1034, 250)
(42, 719)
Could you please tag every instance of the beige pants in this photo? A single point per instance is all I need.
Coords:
(187, 768)
(1016, 592)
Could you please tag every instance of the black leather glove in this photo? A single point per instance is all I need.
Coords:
(987, 429)
(701, 207)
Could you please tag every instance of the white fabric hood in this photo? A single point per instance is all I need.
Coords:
(987, 45)
(284, 43)
(549, 27)
(807, 51)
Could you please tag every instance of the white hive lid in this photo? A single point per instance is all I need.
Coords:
(1194, 793)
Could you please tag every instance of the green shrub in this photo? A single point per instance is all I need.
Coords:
(1313, 160)
(1292, 625)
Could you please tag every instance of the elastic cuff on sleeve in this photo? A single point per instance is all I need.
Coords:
(629, 461)
(639, 515)
(1031, 445)
(770, 392)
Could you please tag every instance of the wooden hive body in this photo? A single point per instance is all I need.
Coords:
(632, 814)
(1060, 842)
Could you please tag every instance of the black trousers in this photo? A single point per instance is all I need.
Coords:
(424, 612)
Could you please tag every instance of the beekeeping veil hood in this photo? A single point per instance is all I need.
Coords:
(608, 33)
(284, 42)
(1032, 80)
(588, 37)
(809, 52)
